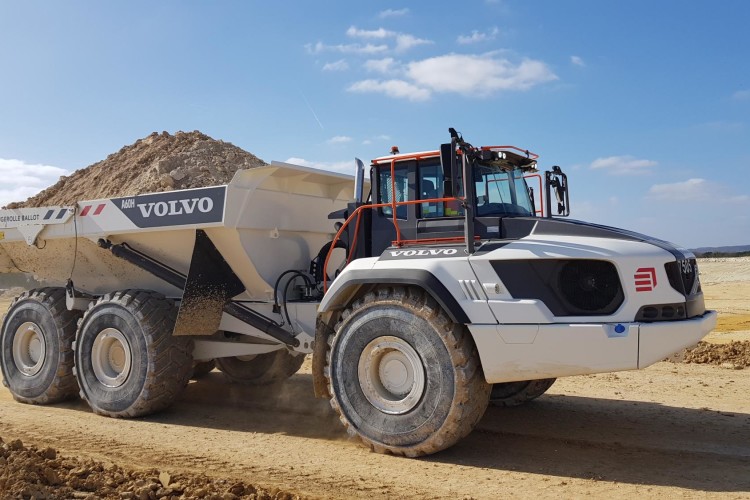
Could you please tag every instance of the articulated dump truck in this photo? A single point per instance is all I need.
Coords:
(447, 282)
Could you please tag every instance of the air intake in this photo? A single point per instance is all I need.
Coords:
(589, 285)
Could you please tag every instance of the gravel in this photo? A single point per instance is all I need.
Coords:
(42, 474)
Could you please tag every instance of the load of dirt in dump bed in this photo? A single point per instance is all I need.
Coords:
(42, 474)
(735, 354)
(159, 162)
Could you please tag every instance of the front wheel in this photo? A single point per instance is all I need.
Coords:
(509, 394)
(402, 376)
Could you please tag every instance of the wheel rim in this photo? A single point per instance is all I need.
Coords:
(29, 349)
(110, 357)
(391, 375)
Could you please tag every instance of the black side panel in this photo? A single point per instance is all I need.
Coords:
(418, 277)
(568, 287)
(210, 285)
(517, 227)
(194, 206)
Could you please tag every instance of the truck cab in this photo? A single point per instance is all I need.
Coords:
(422, 197)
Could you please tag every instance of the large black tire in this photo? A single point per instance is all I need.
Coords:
(403, 377)
(261, 369)
(36, 353)
(127, 362)
(517, 393)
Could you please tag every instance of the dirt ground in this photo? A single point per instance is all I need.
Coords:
(671, 430)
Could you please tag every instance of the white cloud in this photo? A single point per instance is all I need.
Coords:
(379, 33)
(339, 139)
(623, 165)
(406, 42)
(392, 88)
(21, 179)
(393, 13)
(578, 61)
(403, 41)
(340, 65)
(346, 166)
(377, 138)
(741, 95)
(477, 36)
(479, 75)
(385, 65)
(351, 48)
(696, 189)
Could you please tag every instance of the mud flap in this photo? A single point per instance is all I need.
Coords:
(211, 283)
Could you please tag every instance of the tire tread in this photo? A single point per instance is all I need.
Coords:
(169, 357)
(472, 391)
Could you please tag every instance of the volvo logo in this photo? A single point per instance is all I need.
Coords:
(424, 252)
(176, 207)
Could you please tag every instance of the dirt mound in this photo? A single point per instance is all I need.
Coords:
(41, 474)
(735, 354)
(159, 162)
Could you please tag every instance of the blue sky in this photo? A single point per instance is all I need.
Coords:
(645, 104)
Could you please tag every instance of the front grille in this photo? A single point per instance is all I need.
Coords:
(590, 285)
(661, 312)
(683, 276)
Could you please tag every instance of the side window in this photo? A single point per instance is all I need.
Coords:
(386, 187)
(431, 186)
(430, 181)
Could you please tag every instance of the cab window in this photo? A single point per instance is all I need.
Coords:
(386, 188)
(431, 186)
(431, 182)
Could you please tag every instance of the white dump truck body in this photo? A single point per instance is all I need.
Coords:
(265, 221)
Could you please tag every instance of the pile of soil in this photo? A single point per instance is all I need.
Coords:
(159, 162)
(41, 474)
(735, 354)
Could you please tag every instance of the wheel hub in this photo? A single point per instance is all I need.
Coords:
(29, 349)
(110, 357)
(391, 375)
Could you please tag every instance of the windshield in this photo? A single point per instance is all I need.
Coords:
(501, 192)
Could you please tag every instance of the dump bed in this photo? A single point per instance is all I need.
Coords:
(266, 220)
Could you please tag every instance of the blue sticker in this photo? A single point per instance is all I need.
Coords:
(618, 330)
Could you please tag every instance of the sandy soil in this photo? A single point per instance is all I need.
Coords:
(671, 430)
(726, 286)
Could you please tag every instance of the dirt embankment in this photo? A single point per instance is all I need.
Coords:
(32, 473)
(735, 354)
(159, 162)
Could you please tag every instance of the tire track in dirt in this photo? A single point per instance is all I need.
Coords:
(615, 435)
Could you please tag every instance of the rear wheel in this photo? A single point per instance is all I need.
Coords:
(36, 352)
(517, 393)
(202, 368)
(402, 376)
(127, 362)
(260, 369)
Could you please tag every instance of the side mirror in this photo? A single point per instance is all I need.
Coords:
(556, 181)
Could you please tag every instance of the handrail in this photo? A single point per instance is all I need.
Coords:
(398, 242)
(541, 200)
(529, 154)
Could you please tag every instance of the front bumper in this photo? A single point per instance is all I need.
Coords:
(526, 352)
(662, 339)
